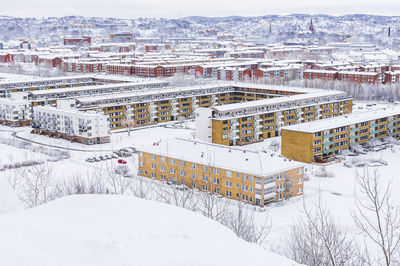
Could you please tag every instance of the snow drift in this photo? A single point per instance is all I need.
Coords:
(117, 230)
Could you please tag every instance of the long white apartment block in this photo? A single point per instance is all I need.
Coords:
(64, 121)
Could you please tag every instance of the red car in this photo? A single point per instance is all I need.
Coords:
(121, 161)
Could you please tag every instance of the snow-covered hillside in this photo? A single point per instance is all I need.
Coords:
(117, 230)
(8, 198)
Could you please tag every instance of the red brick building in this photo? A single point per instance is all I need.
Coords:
(120, 69)
(6, 58)
(320, 74)
(360, 77)
(392, 76)
(85, 40)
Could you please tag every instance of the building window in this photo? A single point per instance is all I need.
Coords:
(182, 173)
(228, 173)
(299, 190)
(269, 180)
(193, 166)
(300, 170)
(153, 157)
(162, 159)
(172, 161)
(153, 166)
(216, 171)
(172, 170)
(153, 175)
(204, 168)
(300, 180)
(194, 175)
(162, 168)
(318, 134)
(228, 183)
(183, 164)
(205, 178)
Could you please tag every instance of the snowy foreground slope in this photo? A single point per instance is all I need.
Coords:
(8, 199)
(117, 230)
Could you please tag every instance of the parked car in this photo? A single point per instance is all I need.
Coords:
(130, 149)
(114, 156)
(97, 159)
(122, 153)
(108, 157)
(121, 161)
(90, 160)
(127, 175)
(121, 170)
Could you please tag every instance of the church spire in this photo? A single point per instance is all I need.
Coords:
(311, 28)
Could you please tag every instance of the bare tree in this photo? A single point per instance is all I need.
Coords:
(77, 185)
(35, 184)
(243, 223)
(177, 195)
(129, 123)
(377, 219)
(316, 239)
(116, 180)
(213, 206)
(142, 187)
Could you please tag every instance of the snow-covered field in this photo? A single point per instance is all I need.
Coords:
(337, 193)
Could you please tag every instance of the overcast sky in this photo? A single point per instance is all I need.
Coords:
(182, 8)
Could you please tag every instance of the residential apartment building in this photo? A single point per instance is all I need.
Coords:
(320, 140)
(320, 74)
(15, 111)
(249, 122)
(68, 123)
(255, 178)
(171, 104)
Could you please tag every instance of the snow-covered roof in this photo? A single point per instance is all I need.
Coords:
(99, 87)
(361, 73)
(280, 68)
(320, 71)
(39, 79)
(67, 111)
(155, 91)
(259, 164)
(346, 120)
(277, 100)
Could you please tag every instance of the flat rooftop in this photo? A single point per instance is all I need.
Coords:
(259, 164)
(346, 120)
(276, 100)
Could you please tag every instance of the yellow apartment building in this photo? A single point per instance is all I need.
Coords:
(319, 141)
(252, 177)
(249, 122)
